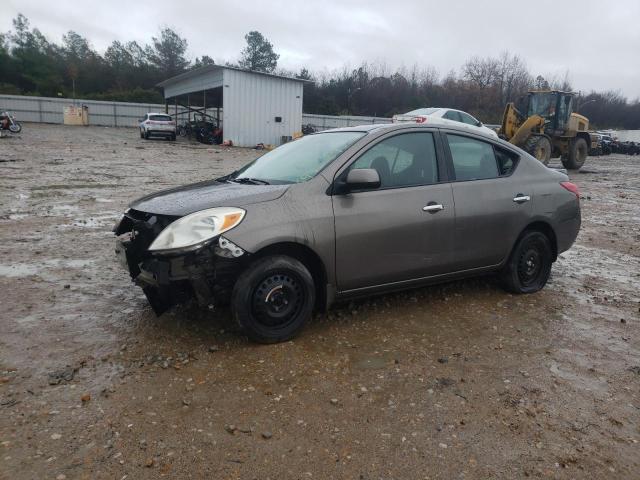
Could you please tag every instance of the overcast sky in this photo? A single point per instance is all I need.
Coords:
(597, 42)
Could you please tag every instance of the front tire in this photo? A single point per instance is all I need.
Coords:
(529, 265)
(15, 127)
(578, 151)
(539, 147)
(273, 299)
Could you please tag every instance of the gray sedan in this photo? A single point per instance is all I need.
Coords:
(350, 212)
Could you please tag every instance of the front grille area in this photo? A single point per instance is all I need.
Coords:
(142, 228)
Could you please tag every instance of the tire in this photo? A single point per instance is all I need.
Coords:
(182, 132)
(15, 127)
(273, 299)
(529, 265)
(173, 137)
(577, 154)
(146, 135)
(539, 147)
(141, 134)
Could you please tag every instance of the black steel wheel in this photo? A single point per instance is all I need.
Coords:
(529, 265)
(273, 299)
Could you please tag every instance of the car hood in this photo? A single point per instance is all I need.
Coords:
(187, 199)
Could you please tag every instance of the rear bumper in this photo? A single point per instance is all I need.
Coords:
(166, 133)
(567, 231)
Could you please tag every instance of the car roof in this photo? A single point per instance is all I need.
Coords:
(159, 113)
(436, 122)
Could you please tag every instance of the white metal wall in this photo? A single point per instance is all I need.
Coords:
(251, 103)
(50, 110)
(324, 122)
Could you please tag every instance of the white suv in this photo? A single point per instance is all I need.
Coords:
(157, 124)
(443, 115)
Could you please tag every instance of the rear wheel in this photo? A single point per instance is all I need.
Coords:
(578, 151)
(273, 299)
(173, 137)
(141, 134)
(146, 134)
(529, 265)
(539, 147)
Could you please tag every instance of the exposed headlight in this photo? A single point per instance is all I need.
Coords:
(193, 230)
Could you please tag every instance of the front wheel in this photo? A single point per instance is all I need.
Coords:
(529, 265)
(15, 127)
(273, 299)
(539, 147)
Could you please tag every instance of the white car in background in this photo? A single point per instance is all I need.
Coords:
(444, 115)
(157, 124)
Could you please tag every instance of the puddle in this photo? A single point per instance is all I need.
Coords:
(64, 209)
(20, 270)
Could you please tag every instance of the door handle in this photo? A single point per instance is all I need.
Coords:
(520, 198)
(433, 207)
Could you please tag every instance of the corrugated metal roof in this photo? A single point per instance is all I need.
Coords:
(217, 68)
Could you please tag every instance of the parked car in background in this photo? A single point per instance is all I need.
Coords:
(596, 144)
(350, 212)
(157, 125)
(422, 115)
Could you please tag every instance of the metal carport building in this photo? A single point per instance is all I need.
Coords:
(252, 107)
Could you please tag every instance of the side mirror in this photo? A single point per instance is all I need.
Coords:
(363, 178)
(479, 124)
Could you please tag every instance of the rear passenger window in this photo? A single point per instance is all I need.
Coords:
(468, 119)
(472, 159)
(403, 160)
(506, 161)
(452, 115)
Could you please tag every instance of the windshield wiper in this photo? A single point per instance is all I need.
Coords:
(250, 181)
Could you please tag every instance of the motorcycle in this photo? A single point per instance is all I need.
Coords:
(8, 122)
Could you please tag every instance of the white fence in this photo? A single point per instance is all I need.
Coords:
(122, 114)
(324, 122)
(50, 110)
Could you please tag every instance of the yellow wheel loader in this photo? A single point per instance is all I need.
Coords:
(545, 126)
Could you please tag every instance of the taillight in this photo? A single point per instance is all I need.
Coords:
(421, 119)
(572, 187)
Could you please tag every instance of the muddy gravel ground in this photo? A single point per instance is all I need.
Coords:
(455, 381)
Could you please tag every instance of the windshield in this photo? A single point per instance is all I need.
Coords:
(543, 104)
(423, 111)
(297, 161)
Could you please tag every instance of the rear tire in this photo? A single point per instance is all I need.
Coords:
(146, 135)
(578, 151)
(273, 299)
(141, 134)
(539, 147)
(529, 265)
(173, 137)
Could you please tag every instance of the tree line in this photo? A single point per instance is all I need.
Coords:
(31, 64)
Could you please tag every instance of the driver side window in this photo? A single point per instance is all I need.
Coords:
(404, 160)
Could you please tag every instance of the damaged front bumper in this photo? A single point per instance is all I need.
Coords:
(207, 273)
